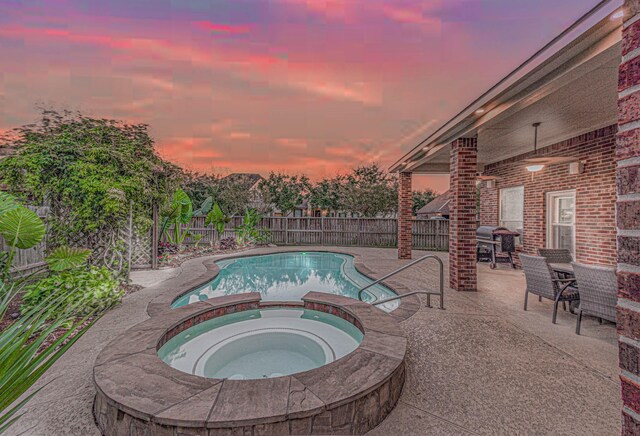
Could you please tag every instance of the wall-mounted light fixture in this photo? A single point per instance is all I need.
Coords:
(576, 168)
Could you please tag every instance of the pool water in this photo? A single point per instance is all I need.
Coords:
(288, 277)
(262, 343)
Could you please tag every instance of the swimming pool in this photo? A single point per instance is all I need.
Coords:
(262, 343)
(288, 277)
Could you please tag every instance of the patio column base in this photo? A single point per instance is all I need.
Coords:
(462, 219)
(405, 217)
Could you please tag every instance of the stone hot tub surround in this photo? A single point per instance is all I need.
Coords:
(137, 393)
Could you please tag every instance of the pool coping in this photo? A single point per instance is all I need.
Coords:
(162, 302)
(137, 391)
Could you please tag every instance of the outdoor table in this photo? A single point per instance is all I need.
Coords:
(564, 268)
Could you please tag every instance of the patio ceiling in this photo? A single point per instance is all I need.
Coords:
(571, 92)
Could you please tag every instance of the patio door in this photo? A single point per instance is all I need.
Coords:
(561, 220)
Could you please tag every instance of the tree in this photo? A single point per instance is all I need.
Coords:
(232, 194)
(327, 194)
(369, 191)
(421, 198)
(91, 172)
(284, 192)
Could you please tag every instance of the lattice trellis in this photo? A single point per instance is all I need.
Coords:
(119, 246)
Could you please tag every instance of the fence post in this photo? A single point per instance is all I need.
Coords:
(321, 230)
(154, 238)
(130, 239)
(359, 238)
(286, 230)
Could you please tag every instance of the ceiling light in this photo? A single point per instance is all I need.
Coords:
(480, 111)
(535, 168)
(617, 14)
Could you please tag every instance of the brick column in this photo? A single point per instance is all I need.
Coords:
(462, 210)
(628, 218)
(405, 217)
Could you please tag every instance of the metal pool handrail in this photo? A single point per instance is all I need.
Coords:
(409, 265)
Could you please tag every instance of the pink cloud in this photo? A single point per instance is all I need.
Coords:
(329, 8)
(221, 28)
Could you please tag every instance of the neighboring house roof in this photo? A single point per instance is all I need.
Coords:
(248, 179)
(440, 205)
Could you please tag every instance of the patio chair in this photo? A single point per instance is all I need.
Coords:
(556, 255)
(541, 282)
(598, 287)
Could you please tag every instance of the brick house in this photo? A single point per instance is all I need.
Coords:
(554, 149)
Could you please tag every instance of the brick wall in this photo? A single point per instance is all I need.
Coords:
(462, 219)
(628, 218)
(595, 194)
(405, 216)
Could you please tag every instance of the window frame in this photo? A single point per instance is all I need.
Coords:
(551, 199)
(519, 240)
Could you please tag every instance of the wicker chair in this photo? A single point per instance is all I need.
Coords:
(556, 255)
(541, 282)
(598, 287)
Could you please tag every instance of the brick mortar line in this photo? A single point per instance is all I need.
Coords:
(630, 341)
(628, 23)
(632, 161)
(631, 55)
(628, 91)
(628, 197)
(628, 304)
(631, 413)
(629, 233)
(625, 267)
(632, 377)
(626, 127)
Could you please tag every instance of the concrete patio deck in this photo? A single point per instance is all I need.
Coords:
(482, 366)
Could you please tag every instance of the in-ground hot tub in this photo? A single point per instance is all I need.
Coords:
(261, 343)
(327, 390)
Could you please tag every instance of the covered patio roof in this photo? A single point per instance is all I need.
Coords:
(570, 86)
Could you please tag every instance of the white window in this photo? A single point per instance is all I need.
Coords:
(561, 220)
(512, 209)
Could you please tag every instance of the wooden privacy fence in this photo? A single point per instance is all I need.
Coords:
(356, 232)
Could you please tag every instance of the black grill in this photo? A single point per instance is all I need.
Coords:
(496, 244)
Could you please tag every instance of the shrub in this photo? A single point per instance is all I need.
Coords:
(229, 243)
(88, 291)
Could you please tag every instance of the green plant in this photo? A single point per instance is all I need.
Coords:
(180, 212)
(20, 227)
(63, 258)
(92, 172)
(218, 219)
(23, 355)
(204, 208)
(248, 231)
(88, 291)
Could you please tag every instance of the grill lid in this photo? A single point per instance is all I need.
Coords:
(487, 232)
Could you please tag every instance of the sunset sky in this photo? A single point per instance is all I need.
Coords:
(299, 86)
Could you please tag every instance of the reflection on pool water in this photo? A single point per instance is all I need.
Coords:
(288, 277)
(261, 343)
